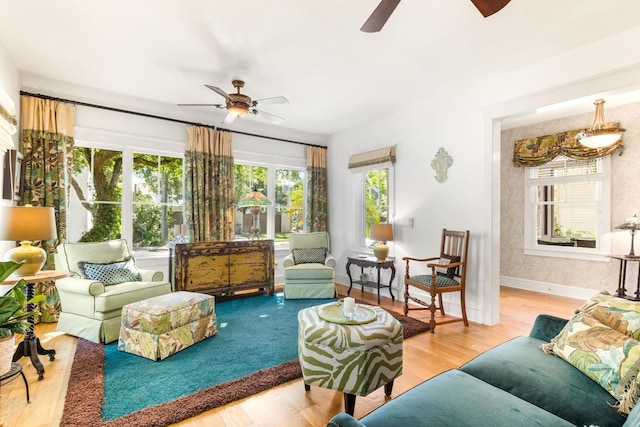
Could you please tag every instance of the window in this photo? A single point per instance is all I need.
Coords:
(374, 195)
(122, 194)
(285, 187)
(567, 208)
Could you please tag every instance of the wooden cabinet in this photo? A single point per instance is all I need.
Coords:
(224, 267)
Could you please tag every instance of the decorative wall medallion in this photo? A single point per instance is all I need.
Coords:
(441, 163)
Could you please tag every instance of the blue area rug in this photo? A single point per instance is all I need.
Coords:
(253, 333)
(255, 349)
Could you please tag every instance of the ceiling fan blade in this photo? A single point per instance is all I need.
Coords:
(379, 16)
(229, 118)
(489, 7)
(268, 116)
(274, 100)
(218, 91)
(202, 105)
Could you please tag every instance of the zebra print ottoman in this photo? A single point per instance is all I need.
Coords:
(353, 359)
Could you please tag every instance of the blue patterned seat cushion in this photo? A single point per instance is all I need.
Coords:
(441, 280)
(309, 255)
(110, 273)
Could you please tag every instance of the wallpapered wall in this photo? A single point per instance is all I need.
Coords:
(625, 201)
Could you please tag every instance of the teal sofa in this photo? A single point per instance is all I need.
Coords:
(513, 384)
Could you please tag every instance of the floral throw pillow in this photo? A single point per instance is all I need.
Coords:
(618, 313)
(110, 273)
(610, 358)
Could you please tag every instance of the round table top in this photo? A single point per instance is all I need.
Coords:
(41, 276)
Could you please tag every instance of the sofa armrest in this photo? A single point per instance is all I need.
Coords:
(344, 420)
(288, 261)
(76, 285)
(330, 261)
(150, 275)
(546, 327)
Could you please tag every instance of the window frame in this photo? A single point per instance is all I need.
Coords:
(271, 194)
(360, 201)
(602, 249)
(127, 183)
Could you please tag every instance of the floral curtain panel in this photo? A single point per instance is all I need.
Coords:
(47, 144)
(209, 184)
(533, 152)
(317, 189)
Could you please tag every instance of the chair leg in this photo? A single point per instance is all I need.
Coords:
(405, 306)
(432, 309)
(463, 306)
(441, 304)
(349, 403)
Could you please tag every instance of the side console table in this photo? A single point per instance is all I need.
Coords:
(622, 278)
(370, 262)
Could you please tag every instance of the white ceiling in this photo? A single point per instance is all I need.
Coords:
(312, 52)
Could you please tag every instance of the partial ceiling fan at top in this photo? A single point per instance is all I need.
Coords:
(384, 10)
(239, 105)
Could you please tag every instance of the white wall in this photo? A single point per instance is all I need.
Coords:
(465, 120)
(9, 81)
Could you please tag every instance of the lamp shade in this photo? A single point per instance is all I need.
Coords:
(382, 232)
(25, 224)
(20, 223)
(254, 198)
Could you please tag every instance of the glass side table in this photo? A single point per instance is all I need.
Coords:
(16, 368)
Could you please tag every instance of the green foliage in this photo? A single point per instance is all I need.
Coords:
(376, 198)
(12, 315)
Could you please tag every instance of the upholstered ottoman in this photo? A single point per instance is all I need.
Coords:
(355, 359)
(158, 327)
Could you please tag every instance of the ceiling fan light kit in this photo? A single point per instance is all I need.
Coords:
(239, 105)
(601, 134)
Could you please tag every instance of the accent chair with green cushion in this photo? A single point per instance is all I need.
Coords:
(309, 268)
(102, 279)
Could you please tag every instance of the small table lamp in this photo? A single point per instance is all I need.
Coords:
(25, 224)
(632, 224)
(383, 233)
(255, 200)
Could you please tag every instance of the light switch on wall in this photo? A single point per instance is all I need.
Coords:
(411, 222)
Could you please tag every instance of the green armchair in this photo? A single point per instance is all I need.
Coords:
(309, 268)
(102, 279)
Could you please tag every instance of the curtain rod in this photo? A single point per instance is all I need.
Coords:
(153, 116)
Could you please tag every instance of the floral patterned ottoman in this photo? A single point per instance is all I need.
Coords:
(158, 327)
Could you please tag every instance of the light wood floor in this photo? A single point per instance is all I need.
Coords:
(425, 355)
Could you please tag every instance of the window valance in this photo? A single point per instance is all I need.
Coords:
(532, 152)
(382, 155)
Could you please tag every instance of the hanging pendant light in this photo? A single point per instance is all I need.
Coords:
(601, 134)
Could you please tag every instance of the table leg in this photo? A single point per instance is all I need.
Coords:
(378, 267)
(393, 275)
(638, 284)
(30, 345)
(350, 279)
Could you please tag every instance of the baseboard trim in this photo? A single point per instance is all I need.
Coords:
(547, 288)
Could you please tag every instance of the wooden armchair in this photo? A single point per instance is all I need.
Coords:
(448, 274)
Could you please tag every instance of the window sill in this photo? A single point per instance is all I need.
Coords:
(562, 252)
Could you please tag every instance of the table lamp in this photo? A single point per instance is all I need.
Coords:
(255, 200)
(632, 224)
(383, 233)
(25, 224)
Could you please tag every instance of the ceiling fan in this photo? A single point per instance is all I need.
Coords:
(386, 7)
(238, 104)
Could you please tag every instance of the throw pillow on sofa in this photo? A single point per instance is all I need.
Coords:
(110, 273)
(610, 358)
(618, 313)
